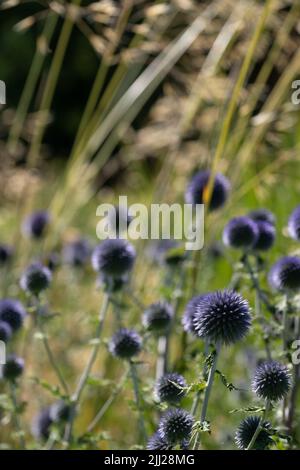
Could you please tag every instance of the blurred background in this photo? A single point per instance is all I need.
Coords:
(133, 97)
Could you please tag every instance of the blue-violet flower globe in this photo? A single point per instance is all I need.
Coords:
(241, 233)
(222, 317)
(13, 313)
(195, 192)
(271, 381)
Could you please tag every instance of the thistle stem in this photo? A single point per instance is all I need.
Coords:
(259, 426)
(208, 389)
(135, 383)
(51, 358)
(48, 350)
(84, 377)
(262, 296)
(16, 416)
(108, 403)
(196, 400)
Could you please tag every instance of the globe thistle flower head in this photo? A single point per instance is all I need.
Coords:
(170, 388)
(240, 233)
(5, 331)
(195, 192)
(12, 312)
(189, 314)
(60, 411)
(36, 278)
(266, 236)
(294, 224)
(125, 344)
(12, 369)
(158, 316)
(262, 215)
(246, 430)
(175, 425)
(113, 257)
(41, 425)
(157, 443)
(77, 253)
(284, 275)
(35, 225)
(222, 317)
(6, 253)
(271, 381)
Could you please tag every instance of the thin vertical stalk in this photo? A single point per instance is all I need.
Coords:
(87, 370)
(31, 82)
(135, 383)
(16, 416)
(108, 403)
(50, 355)
(196, 400)
(235, 96)
(208, 389)
(259, 426)
(50, 86)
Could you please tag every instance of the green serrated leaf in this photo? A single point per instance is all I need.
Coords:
(225, 382)
(249, 409)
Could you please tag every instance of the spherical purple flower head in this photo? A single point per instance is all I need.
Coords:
(294, 224)
(266, 236)
(60, 411)
(222, 317)
(195, 192)
(189, 314)
(271, 381)
(113, 257)
(241, 233)
(262, 215)
(41, 425)
(12, 312)
(5, 254)
(36, 278)
(5, 331)
(170, 388)
(77, 253)
(175, 425)
(35, 225)
(158, 316)
(246, 430)
(125, 344)
(12, 369)
(157, 443)
(284, 275)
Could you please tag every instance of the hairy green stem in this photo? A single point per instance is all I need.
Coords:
(16, 416)
(259, 426)
(196, 400)
(108, 402)
(51, 357)
(87, 370)
(135, 383)
(208, 389)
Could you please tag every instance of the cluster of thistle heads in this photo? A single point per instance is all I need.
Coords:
(219, 318)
